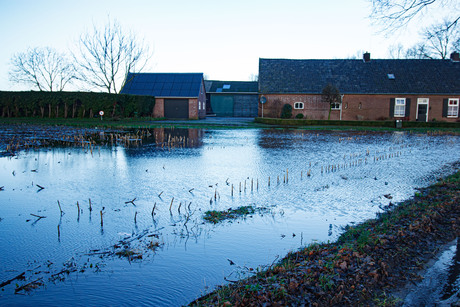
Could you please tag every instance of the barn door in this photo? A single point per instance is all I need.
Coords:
(176, 108)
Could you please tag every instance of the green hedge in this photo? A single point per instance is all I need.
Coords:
(74, 104)
(355, 123)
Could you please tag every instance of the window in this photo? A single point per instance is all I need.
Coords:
(298, 105)
(226, 87)
(400, 107)
(335, 106)
(452, 108)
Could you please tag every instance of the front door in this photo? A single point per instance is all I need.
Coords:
(422, 109)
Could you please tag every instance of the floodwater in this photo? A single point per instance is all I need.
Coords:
(313, 184)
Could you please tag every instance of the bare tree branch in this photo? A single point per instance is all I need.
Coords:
(105, 57)
(43, 68)
(391, 15)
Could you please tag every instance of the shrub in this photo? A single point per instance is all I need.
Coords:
(73, 104)
(287, 111)
(299, 116)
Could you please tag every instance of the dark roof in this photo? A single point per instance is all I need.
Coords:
(358, 77)
(233, 87)
(163, 84)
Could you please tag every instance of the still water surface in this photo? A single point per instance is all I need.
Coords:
(319, 182)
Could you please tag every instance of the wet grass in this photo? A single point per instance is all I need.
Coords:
(366, 263)
(215, 216)
(148, 122)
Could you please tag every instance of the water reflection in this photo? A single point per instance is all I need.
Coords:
(154, 192)
(167, 139)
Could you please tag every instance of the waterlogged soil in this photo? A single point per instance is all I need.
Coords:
(117, 217)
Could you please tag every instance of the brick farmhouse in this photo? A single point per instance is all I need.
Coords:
(409, 89)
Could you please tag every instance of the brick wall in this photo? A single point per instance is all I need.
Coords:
(354, 107)
(193, 108)
(159, 109)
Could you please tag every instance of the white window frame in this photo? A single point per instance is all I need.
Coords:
(452, 108)
(336, 106)
(400, 103)
(299, 105)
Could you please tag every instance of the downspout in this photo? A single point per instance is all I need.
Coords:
(341, 105)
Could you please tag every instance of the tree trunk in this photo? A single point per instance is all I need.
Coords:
(42, 110)
(57, 111)
(74, 109)
(49, 110)
(91, 113)
(65, 110)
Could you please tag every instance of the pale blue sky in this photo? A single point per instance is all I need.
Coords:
(223, 39)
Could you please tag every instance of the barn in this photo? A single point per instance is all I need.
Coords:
(232, 98)
(177, 95)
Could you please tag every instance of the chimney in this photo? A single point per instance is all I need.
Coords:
(454, 56)
(366, 57)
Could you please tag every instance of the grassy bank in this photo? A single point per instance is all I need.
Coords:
(367, 262)
(390, 125)
(147, 122)
(127, 123)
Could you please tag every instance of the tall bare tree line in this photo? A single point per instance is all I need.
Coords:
(101, 60)
(45, 68)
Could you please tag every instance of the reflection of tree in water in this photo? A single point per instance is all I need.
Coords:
(22, 137)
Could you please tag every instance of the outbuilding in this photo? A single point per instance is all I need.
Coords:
(177, 95)
(232, 98)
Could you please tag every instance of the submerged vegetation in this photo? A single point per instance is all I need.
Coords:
(367, 262)
(214, 216)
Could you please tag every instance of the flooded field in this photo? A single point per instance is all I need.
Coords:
(122, 223)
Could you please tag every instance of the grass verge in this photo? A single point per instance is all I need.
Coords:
(366, 262)
(359, 125)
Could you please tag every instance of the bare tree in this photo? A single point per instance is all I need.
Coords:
(440, 39)
(43, 68)
(396, 51)
(331, 95)
(418, 51)
(394, 14)
(107, 55)
(254, 77)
